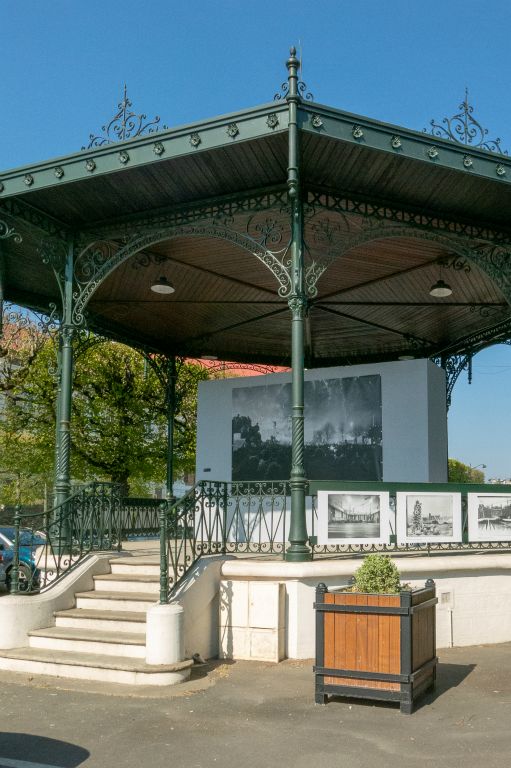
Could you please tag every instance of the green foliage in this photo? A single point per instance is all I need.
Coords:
(463, 473)
(119, 416)
(378, 573)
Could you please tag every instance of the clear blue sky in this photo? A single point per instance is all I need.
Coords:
(64, 63)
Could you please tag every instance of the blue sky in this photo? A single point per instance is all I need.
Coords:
(64, 64)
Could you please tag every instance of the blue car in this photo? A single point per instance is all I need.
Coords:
(28, 571)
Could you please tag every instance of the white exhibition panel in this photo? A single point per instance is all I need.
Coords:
(414, 419)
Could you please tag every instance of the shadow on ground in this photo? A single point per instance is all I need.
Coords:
(38, 749)
(448, 676)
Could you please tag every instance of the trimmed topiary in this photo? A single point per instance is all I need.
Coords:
(378, 573)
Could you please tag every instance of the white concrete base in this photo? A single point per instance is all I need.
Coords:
(474, 592)
(252, 620)
(21, 613)
(164, 634)
(103, 673)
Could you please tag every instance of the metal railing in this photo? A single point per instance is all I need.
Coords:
(212, 518)
(46, 548)
(220, 518)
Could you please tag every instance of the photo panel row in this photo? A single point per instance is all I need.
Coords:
(369, 517)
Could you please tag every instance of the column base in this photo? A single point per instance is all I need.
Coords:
(298, 553)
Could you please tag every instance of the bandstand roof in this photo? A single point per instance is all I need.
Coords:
(387, 212)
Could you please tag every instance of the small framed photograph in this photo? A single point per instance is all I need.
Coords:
(428, 517)
(353, 517)
(489, 517)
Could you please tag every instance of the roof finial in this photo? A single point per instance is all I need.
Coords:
(294, 88)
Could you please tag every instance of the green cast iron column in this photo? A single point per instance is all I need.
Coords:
(63, 450)
(2, 278)
(58, 389)
(298, 551)
(171, 407)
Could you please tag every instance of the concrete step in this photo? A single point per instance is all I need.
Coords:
(86, 618)
(113, 582)
(89, 641)
(147, 566)
(84, 666)
(116, 601)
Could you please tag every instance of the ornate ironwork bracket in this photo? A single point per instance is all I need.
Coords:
(464, 129)
(7, 232)
(98, 260)
(124, 125)
(453, 366)
(53, 253)
(465, 248)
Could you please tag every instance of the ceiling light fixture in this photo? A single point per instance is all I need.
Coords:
(440, 290)
(162, 285)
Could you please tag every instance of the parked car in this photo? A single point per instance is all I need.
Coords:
(29, 542)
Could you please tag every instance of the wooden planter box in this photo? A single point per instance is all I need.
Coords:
(375, 646)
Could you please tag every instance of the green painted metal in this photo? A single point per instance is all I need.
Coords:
(393, 139)
(213, 518)
(67, 329)
(144, 150)
(298, 550)
(171, 407)
(164, 568)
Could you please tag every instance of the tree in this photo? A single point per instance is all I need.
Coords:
(463, 473)
(119, 417)
(417, 517)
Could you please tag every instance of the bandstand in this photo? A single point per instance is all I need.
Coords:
(292, 234)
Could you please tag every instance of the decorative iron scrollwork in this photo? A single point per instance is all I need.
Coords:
(463, 128)
(144, 260)
(454, 261)
(303, 93)
(125, 125)
(6, 232)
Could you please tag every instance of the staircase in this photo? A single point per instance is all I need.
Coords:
(103, 637)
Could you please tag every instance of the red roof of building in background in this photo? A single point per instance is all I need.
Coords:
(227, 369)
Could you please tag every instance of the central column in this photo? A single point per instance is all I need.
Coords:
(63, 448)
(298, 551)
(171, 408)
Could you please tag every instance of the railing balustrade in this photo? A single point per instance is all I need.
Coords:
(212, 518)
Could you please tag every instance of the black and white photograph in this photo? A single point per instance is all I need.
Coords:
(356, 517)
(343, 430)
(489, 517)
(428, 517)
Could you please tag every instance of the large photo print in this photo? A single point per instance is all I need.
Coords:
(343, 430)
(356, 517)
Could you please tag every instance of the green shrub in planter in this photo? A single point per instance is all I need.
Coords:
(378, 573)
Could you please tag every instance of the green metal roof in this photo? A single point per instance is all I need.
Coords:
(383, 207)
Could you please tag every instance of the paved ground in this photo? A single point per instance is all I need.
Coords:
(251, 714)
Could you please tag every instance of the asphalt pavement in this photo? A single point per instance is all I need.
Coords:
(251, 714)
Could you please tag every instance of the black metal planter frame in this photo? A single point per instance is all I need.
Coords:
(413, 679)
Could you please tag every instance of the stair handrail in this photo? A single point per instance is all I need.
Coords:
(216, 517)
(87, 521)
